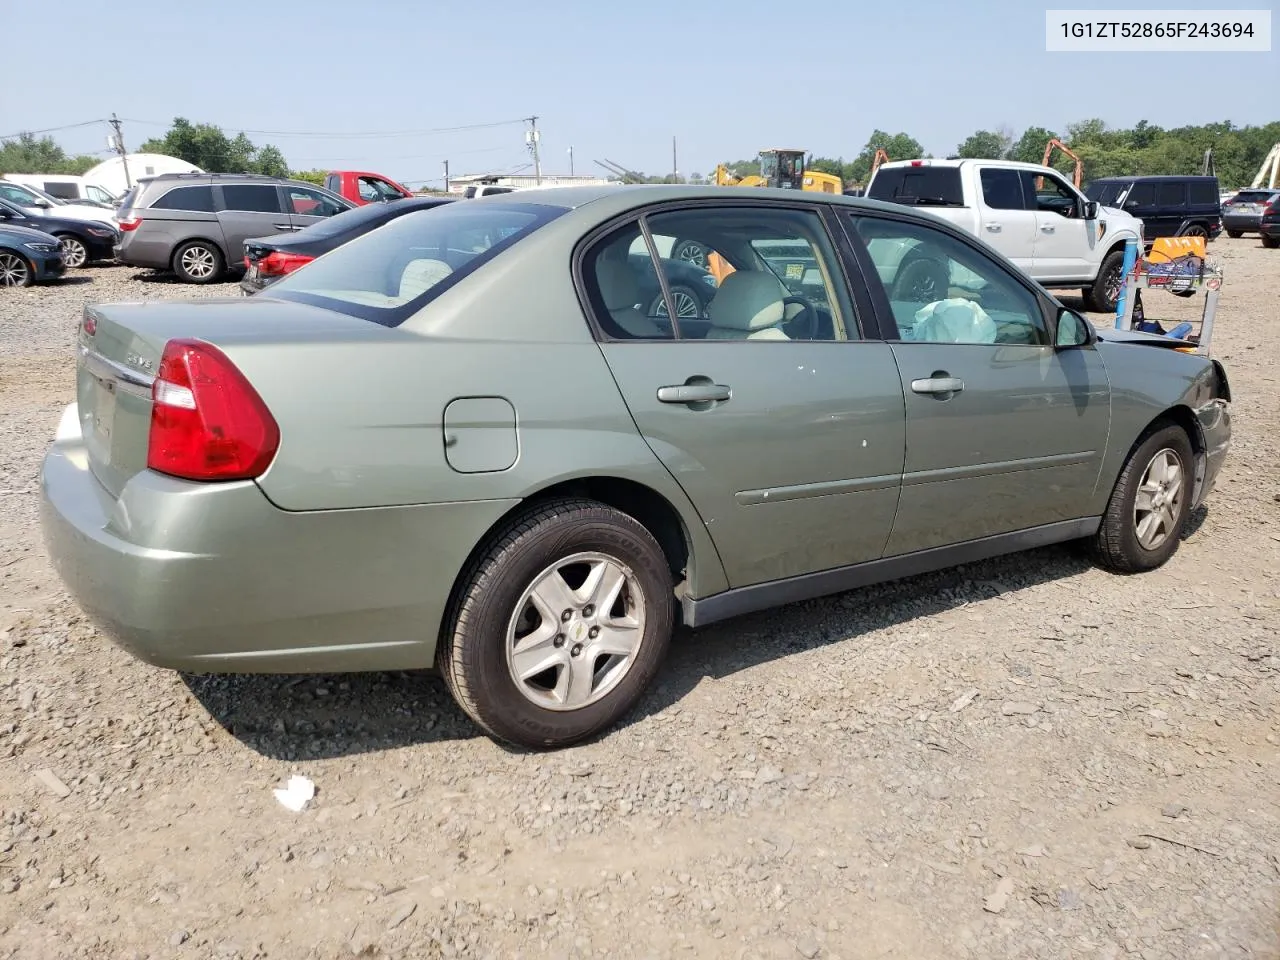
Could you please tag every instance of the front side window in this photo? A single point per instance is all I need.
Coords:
(199, 199)
(251, 198)
(1050, 194)
(1107, 192)
(15, 194)
(1141, 195)
(387, 275)
(942, 290)
(98, 193)
(730, 273)
(312, 203)
(367, 190)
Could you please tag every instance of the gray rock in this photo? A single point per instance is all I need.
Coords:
(1016, 708)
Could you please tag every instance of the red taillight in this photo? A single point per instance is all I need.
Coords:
(277, 264)
(128, 223)
(207, 421)
(89, 323)
(917, 163)
(1269, 207)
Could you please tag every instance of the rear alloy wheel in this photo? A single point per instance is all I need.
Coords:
(1196, 231)
(1143, 523)
(688, 306)
(198, 262)
(690, 251)
(74, 252)
(15, 271)
(560, 625)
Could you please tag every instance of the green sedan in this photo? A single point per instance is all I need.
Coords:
(469, 440)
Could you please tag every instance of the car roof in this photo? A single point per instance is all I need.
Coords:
(952, 163)
(1125, 178)
(611, 199)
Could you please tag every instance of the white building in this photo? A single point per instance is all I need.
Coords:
(111, 173)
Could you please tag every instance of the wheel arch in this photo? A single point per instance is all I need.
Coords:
(217, 245)
(1179, 415)
(647, 506)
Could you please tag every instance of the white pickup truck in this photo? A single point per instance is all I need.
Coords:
(1029, 213)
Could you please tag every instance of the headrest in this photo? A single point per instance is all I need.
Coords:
(747, 300)
(618, 284)
(421, 275)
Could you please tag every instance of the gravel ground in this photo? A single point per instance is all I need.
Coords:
(1019, 758)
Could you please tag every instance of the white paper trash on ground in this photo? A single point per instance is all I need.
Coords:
(297, 793)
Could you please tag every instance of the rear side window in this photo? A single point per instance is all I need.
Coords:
(61, 189)
(1204, 193)
(389, 274)
(1142, 195)
(251, 197)
(1171, 194)
(199, 199)
(1106, 192)
(922, 186)
(333, 182)
(1002, 189)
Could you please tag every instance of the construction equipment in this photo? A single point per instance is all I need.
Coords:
(1269, 173)
(1078, 175)
(783, 169)
(879, 158)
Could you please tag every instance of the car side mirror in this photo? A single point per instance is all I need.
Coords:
(43, 204)
(1091, 209)
(1073, 330)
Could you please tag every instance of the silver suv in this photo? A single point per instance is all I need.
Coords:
(196, 224)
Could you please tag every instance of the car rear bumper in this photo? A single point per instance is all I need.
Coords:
(213, 578)
(1242, 223)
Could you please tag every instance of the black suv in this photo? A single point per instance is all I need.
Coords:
(195, 224)
(1174, 206)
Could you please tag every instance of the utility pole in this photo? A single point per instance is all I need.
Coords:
(532, 139)
(446, 176)
(571, 161)
(119, 143)
(675, 167)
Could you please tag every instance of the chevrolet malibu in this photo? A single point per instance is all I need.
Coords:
(466, 441)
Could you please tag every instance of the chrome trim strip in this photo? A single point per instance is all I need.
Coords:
(804, 491)
(100, 367)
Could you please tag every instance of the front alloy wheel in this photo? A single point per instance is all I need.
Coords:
(1157, 508)
(14, 270)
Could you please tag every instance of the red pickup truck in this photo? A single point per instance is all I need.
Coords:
(361, 187)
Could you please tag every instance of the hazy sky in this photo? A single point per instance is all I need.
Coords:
(725, 78)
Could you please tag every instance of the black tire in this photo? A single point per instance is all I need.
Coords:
(1116, 546)
(75, 252)
(1097, 296)
(1195, 230)
(15, 269)
(1271, 242)
(689, 251)
(472, 653)
(1235, 234)
(921, 279)
(188, 256)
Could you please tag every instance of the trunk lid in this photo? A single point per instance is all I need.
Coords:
(118, 352)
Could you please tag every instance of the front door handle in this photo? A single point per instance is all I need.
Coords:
(284, 226)
(993, 227)
(1046, 228)
(937, 385)
(694, 393)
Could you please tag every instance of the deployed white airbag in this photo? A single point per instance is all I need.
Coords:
(956, 320)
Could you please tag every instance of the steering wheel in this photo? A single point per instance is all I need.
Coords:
(806, 320)
(921, 279)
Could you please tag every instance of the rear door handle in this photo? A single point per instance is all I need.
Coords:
(937, 385)
(694, 393)
(1046, 228)
(284, 226)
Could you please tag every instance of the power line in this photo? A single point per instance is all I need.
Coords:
(368, 134)
(69, 126)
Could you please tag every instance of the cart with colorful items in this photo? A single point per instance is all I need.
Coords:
(1176, 265)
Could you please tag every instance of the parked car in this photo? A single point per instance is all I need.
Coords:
(36, 201)
(1243, 212)
(361, 187)
(68, 188)
(454, 442)
(267, 259)
(83, 241)
(1173, 206)
(196, 224)
(28, 256)
(1269, 224)
(1029, 213)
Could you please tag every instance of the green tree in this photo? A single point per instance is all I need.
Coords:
(206, 146)
(899, 146)
(986, 145)
(26, 154)
(1029, 147)
(309, 176)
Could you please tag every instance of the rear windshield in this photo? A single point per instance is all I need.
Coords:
(1107, 192)
(921, 186)
(389, 274)
(1253, 196)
